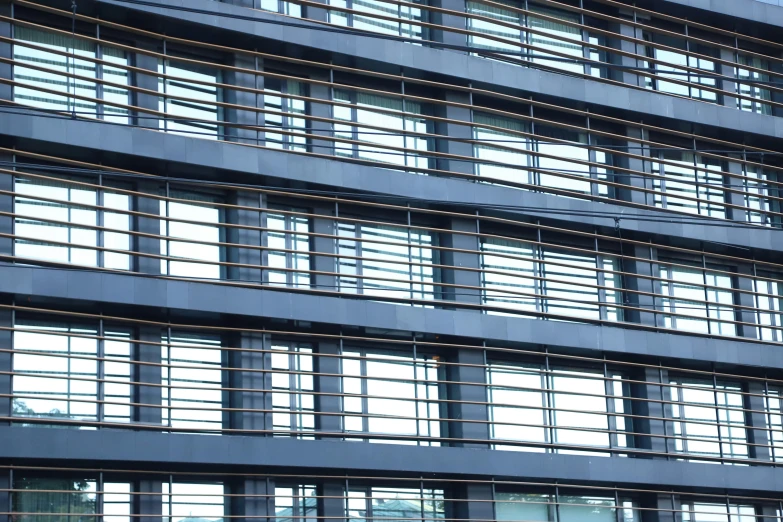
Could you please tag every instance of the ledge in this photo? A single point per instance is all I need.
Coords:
(108, 448)
(173, 153)
(56, 286)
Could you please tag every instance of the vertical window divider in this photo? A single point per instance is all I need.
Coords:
(331, 108)
(416, 393)
(603, 309)
(655, 283)
(768, 415)
(165, 91)
(675, 513)
(610, 409)
(717, 412)
(269, 505)
(289, 225)
(364, 391)
(99, 497)
(259, 99)
(737, 86)
(167, 221)
(100, 221)
(525, 36)
(404, 112)
(549, 400)
(168, 386)
(267, 379)
(101, 370)
(585, 36)
(535, 160)
(540, 270)
(69, 381)
(293, 385)
(171, 483)
(688, 62)
(696, 173)
(636, 53)
(410, 252)
(263, 213)
(11, 375)
(99, 88)
(421, 496)
(664, 407)
(341, 398)
(69, 203)
(557, 502)
(728, 507)
(618, 516)
(706, 292)
(591, 156)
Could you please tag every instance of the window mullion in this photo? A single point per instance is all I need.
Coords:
(101, 371)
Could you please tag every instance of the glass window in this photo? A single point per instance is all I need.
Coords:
(58, 222)
(554, 35)
(386, 261)
(710, 420)
(536, 507)
(526, 277)
(379, 503)
(187, 258)
(393, 117)
(56, 499)
(280, 6)
(296, 503)
(192, 378)
(751, 73)
(388, 387)
(675, 64)
(690, 183)
(559, 406)
(703, 300)
(561, 161)
(376, 17)
(53, 59)
(769, 300)
(286, 109)
(773, 405)
(761, 188)
(193, 501)
(510, 148)
(292, 379)
(190, 99)
(288, 254)
(57, 373)
(714, 512)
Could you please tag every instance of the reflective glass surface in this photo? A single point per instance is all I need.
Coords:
(563, 406)
(64, 227)
(699, 406)
(192, 377)
(51, 88)
(388, 386)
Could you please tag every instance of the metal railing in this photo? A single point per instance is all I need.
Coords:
(739, 195)
(616, 398)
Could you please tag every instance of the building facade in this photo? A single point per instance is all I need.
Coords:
(391, 260)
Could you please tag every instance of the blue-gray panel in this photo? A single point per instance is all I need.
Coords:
(222, 157)
(169, 451)
(197, 297)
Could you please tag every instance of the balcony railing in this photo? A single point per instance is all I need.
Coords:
(88, 371)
